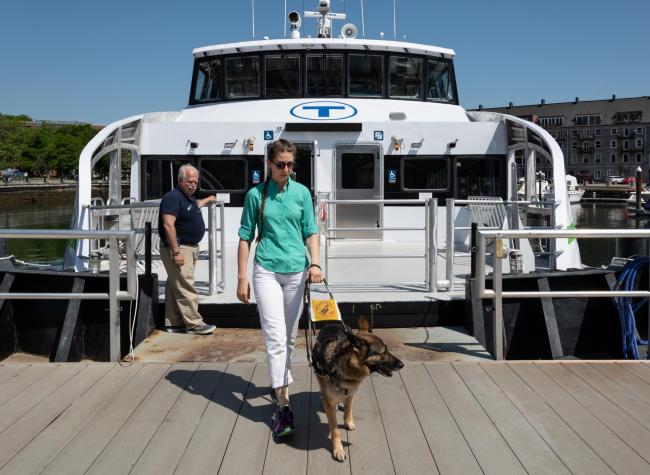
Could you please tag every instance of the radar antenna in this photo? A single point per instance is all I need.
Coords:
(325, 18)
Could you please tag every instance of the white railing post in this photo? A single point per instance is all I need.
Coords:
(450, 204)
(212, 248)
(113, 302)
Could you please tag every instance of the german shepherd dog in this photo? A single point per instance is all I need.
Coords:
(342, 360)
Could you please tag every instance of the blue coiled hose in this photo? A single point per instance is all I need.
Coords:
(626, 307)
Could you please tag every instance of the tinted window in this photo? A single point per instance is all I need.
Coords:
(425, 174)
(439, 81)
(479, 177)
(161, 175)
(220, 173)
(358, 171)
(242, 77)
(282, 76)
(208, 81)
(366, 75)
(405, 77)
(324, 75)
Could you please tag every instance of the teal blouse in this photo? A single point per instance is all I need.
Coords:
(288, 221)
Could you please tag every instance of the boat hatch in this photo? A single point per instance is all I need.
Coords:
(358, 177)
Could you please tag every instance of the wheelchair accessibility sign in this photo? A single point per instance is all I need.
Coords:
(392, 176)
(268, 135)
(256, 176)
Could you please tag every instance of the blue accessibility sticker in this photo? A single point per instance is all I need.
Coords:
(268, 135)
(256, 176)
(392, 176)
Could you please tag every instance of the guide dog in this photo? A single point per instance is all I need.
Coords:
(342, 360)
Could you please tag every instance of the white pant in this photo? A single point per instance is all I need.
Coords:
(279, 302)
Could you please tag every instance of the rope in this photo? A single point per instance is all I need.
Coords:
(629, 280)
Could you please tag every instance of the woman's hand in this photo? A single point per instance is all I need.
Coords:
(315, 275)
(243, 290)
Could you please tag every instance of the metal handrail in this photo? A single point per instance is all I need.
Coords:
(451, 203)
(214, 252)
(114, 294)
(430, 250)
(497, 294)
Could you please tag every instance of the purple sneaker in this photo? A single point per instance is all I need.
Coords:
(283, 424)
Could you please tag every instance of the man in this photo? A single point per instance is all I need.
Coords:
(181, 228)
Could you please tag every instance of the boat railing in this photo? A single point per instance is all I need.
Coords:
(134, 216)
(497, 294)
(430, 207)
(114, 295)
(489, 213)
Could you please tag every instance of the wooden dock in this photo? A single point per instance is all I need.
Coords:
(463, 418)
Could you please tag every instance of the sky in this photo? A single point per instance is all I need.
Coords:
(94, 61)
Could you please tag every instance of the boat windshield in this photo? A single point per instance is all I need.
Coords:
(328, 74)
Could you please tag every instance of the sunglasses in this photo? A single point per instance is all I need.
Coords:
(283, 165)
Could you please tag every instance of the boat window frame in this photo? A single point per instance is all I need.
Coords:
(446, 158)
(425, 78)
(212, 158)
(384, 83)
(345, 53)
(260, 78)
(495, 157)
(283, 54)
(344, 72)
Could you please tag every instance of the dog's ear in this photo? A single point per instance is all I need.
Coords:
(364, 326)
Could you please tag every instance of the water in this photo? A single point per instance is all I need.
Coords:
(53, 210)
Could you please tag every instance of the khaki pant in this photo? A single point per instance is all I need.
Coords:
(181, 298)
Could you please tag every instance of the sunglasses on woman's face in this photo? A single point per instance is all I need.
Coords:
(283, 165)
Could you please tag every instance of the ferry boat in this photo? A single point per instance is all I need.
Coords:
(373, 119)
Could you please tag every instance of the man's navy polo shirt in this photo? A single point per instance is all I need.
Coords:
(190, 226)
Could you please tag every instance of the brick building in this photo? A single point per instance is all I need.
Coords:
(599, 138)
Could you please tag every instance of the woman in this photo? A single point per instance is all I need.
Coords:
(283, 213)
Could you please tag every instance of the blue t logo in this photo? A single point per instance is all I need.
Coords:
(323, 111)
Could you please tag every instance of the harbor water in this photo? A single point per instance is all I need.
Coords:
(53, 210)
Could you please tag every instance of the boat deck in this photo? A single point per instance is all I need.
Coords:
(353, 280)
(442, 417)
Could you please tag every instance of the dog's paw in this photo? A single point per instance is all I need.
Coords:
(338, 454)
(349, 425)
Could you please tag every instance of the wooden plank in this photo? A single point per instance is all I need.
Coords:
(290, 456)
(618, 455)
(45, 446)
(319, 458)
(80, 453)
(22, 431)
(178, 426)
(568, 446)
(641, 369)
(369, 452)
(529, 447)
(31, 396)
(446, 442)
(638, 409)
(408, 446)
(20, 379)
(7, 371)
(629, 430)
(127, 444)
(250, 437)
(632, 383)
(69, 322)
(207, 447)
(487, 444)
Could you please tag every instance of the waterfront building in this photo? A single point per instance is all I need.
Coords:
(599, 138)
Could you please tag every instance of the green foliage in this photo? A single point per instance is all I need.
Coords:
(39, 150)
